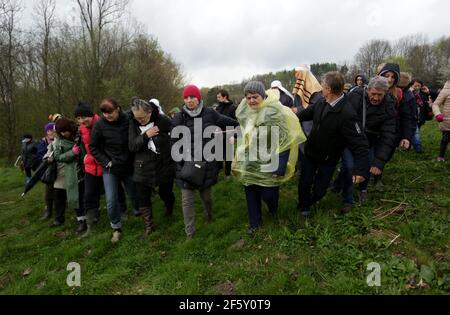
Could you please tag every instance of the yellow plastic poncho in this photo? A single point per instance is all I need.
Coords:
(270, 112)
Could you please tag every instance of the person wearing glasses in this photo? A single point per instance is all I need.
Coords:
(109, 146)
(149, 140)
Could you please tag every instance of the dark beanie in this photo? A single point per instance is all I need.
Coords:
(83, 110)
(255, 87)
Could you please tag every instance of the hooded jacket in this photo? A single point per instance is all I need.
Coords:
(268, 114)
(380, 124)
(442, 106)
(91, 165)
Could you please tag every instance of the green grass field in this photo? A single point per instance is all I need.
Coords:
(326, 254)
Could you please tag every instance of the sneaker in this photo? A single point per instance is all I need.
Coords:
(116, 236)
(440, 159)
(346, 208)
(82, 227)
(47, 215)
(251, 231)
(363, 196)
(190, 236)
(305, 212)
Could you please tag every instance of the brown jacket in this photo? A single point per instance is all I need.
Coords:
(442, 106)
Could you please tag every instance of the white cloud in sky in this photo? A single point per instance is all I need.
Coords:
(217, 42)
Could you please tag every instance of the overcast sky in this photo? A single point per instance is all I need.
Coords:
(218, 42)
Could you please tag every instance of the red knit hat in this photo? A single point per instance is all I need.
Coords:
(192, 90)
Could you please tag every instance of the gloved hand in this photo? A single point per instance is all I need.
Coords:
(76, 150)
(440, 117)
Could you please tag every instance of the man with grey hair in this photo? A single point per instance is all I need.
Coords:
(376, 113)
(335, 127)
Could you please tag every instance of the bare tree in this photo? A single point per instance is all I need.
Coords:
(9, 63)
(96, 17)
(372, 54)
(45, 10)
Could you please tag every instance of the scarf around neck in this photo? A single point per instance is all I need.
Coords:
(194, 113)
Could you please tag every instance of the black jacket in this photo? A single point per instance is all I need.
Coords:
(227, 109)
(209, 117)
(150, 168)
(405, 117)
(29, 154)
(330, 134)
(286, 100)
(380, 124)
(109, 143)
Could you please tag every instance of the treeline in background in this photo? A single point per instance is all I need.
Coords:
(48, 64)
(51, 64)
(416, 54)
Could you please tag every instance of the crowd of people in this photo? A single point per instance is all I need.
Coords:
(320, 126)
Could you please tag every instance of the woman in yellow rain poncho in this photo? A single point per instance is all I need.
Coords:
(267, 151)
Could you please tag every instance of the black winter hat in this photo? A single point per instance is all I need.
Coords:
(391, 67)
(83, 110)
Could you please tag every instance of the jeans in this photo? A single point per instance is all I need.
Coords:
(254, 194)
(444, 143)
(347, 175)
(315, 178)
(111, 183)
(415, 141)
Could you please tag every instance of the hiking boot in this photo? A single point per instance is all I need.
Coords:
(363, 196)
(378, 185)
(91, 216)
(55, 224)
(116, 236)
(208, 218)
(169, 211)
(82, 227)
(147, 217)
(346, 208)
(96, 217)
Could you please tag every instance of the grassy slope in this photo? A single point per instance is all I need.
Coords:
(327, 254)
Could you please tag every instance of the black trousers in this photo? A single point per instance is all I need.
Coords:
(315, 178)
(49, 195)
(60, 199)
(92, 191)
(254, 194)
(444, 143)
(165, 193)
